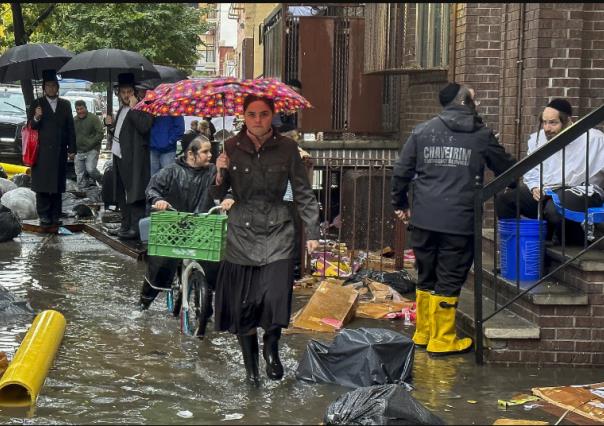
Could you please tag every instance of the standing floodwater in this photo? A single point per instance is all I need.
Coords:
(116, 365)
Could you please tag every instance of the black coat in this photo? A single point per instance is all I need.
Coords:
(443, 156)
(136, 159)
(187, 189)
(261, 227)
(56, 137)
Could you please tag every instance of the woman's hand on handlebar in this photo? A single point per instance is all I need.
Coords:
(226, 204)
(161, 205)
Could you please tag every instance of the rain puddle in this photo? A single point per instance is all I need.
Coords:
(117, 365)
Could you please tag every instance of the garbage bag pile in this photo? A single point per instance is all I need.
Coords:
(359, 357)
(22, 180)
(22, 202)
(10, 225)
(379, 405)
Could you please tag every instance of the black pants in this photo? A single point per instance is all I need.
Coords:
(443, 260)
(505, 207)
(131, 211)
(49, 206)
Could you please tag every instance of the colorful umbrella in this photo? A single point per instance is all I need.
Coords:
(219, 97)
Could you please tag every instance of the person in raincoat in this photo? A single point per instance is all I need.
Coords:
(443, 157)
(51, 117)
(184, 186)
(254, 287)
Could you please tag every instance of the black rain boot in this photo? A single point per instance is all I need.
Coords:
(250, 352)
(148, 295)
(270, 350)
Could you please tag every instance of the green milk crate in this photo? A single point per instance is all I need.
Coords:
(187, 235)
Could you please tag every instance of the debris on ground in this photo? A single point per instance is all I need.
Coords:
(3, 363)
(358, 357)
(516, 400)
(584, 400)
(329, 308)
(379, 405)
(510, 422)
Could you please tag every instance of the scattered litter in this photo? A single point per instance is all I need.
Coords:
(234, 416)
(528, 407)
(3, 363)
(517, 400)
(584, 400)
(471, 401)
(64, 231)
(519, 422)
(185, 414)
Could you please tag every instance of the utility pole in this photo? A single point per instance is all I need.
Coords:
(21, 38)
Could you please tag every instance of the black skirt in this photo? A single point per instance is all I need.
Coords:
(253, 296)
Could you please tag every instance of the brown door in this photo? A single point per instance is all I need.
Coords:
(315, 71)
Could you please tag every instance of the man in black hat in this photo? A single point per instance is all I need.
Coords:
(51, 116)
(555, 117)
(444, 156)
(131, 158)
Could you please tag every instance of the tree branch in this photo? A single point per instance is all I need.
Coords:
(40, 19)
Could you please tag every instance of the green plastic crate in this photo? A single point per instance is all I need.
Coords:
(187, 235)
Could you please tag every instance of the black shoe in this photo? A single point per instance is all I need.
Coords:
(270, 351)
(250, 352)
(131, 234)
(45, 222)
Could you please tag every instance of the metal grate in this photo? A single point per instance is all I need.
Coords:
(340, 74)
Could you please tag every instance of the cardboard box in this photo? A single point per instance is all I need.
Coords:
(329, 308)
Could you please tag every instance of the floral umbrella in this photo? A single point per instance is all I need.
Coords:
(219, 97)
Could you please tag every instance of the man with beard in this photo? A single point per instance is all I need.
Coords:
(444, 156)
(556, 117)
(131, 157)
(51, 116)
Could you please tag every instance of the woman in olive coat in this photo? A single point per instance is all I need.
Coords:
(254, 286)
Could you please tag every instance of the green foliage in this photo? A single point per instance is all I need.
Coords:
(165, 33)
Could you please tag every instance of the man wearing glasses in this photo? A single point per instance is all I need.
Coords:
(556, 117)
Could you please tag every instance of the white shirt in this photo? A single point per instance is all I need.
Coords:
(574, 161)
(53, 103)
(115, 146)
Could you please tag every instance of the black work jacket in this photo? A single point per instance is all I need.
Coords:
(443, 158)
(260, 227)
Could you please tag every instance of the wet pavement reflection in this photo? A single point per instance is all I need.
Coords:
(117, 365)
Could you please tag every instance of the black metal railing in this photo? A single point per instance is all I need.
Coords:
(497, 186)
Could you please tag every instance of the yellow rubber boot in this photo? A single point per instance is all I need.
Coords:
(422, 318)
(443, 334)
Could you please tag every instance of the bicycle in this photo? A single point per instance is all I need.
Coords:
(190, 296)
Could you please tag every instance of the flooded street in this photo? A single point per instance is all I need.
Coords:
(116, 365)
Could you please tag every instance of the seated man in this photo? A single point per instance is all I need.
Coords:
(554, 118)
(184, 186)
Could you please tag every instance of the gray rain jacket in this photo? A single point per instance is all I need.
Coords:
(442, 158)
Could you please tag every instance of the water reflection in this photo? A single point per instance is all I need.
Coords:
(117, 365)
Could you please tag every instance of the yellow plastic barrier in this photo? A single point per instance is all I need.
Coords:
(13, 169)
(22, 381)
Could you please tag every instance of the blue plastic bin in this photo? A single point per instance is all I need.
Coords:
(529, 255)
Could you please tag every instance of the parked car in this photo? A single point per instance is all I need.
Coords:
(12, 119)
(93, 105)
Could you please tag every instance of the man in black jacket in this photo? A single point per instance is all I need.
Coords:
(51, 116)
(443, 157)
(131, 158)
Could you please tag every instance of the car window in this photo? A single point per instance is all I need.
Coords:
(12, 103)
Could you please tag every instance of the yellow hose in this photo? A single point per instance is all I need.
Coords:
(14, 169)
(22, 381)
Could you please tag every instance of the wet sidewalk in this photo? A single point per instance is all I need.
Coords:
(117, 365)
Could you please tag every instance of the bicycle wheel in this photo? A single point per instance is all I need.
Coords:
(193, 321)
(174, 297)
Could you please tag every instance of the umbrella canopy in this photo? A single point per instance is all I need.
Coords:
(106, 64)
(219, 97)
(166, 75)
(27, 61)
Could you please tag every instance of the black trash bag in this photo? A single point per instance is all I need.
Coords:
(359, 357)
(400, 281)
(22, 180)
(82, 211)
(108, 194)
(12, 309)
(3, 173)
(379, 405)
(10, 225)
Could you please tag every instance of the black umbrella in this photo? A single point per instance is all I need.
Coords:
(166, 75)
(105, 65)
(27, 61)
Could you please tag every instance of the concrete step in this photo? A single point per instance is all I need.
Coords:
(503, 326)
